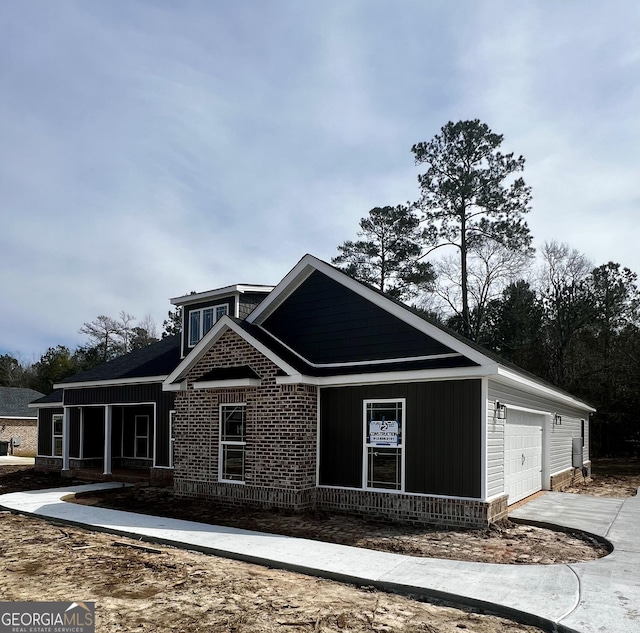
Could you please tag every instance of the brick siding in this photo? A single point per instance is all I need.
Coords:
(281, 436)
(407, 508)
(569, 477)
(26, 430)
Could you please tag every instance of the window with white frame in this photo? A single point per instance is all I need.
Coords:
(233, 429)
(202, 320)
(172, 415)
(384, 459)
(56, 421)
(141, 442)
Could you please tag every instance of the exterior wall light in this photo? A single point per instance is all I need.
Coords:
(500, 411)
(557, 419)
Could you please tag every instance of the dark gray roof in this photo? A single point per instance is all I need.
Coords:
(159, 359)
(50, 398)
(304, 367)
(14, 402)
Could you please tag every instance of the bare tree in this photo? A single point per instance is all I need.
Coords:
(567, 297)
(491, 267)
(104, 336)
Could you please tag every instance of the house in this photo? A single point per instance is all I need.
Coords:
(18, 424)
(328, 394)
(117, 415)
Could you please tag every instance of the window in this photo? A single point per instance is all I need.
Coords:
(233, 423)
(141, 445)
(383, 460)
(201, 321)
(172, 415)
(57, 434)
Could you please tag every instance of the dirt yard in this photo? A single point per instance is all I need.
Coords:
(156, 588)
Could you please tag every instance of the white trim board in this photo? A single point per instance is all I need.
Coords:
(214, 334)
(308, 264)
(112, 382)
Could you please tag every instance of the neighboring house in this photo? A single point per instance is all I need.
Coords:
(331, 395)
(18, 423)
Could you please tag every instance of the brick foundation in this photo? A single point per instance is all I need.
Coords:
(569, 477)
(161, 477)
(406, 508)
(48, 464)
(234, 495)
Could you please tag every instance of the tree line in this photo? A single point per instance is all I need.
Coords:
(107, 338)
(461, 254)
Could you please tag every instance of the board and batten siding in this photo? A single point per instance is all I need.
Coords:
(45, 429)
(559, 435)
(93, 397)
(442, 436)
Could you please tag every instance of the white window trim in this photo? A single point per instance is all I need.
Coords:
(219, 309)
(366, 445)
(222, 443)
(137, 437)
(57, 417)
(172, 415)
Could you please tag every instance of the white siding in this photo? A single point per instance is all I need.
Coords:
(561, 445)
(559, 436)
(495, 452)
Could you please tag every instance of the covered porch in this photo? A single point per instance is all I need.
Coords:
(104, 440)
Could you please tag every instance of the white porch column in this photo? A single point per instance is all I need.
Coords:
(66, 431)
(81, 433)
(108, 423)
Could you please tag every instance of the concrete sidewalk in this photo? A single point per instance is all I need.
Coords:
(586, 597)
(15, 460)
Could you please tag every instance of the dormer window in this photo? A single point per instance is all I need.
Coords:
(201, 321)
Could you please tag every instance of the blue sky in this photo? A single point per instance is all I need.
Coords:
(151, 148)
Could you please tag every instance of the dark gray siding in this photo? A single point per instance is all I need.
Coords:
(45, 430)
(230, 302)
(442, 437)
(125, 394)
(326, 322)
(74, 435)
(248, 302)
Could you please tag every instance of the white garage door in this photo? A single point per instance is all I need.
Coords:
(522, 454)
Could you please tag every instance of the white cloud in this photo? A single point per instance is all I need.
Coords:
(148, 149)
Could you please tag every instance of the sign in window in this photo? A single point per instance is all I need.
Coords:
(383, 444)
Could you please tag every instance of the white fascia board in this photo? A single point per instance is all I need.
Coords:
(420, 375)
(217, 384)
(359, 363)
(308, 264)
(113, 382)
(46, 405)
(287, 285)
(232, 290)
(220, 327)
(18, 417)
(175, 386)
(511, 377)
